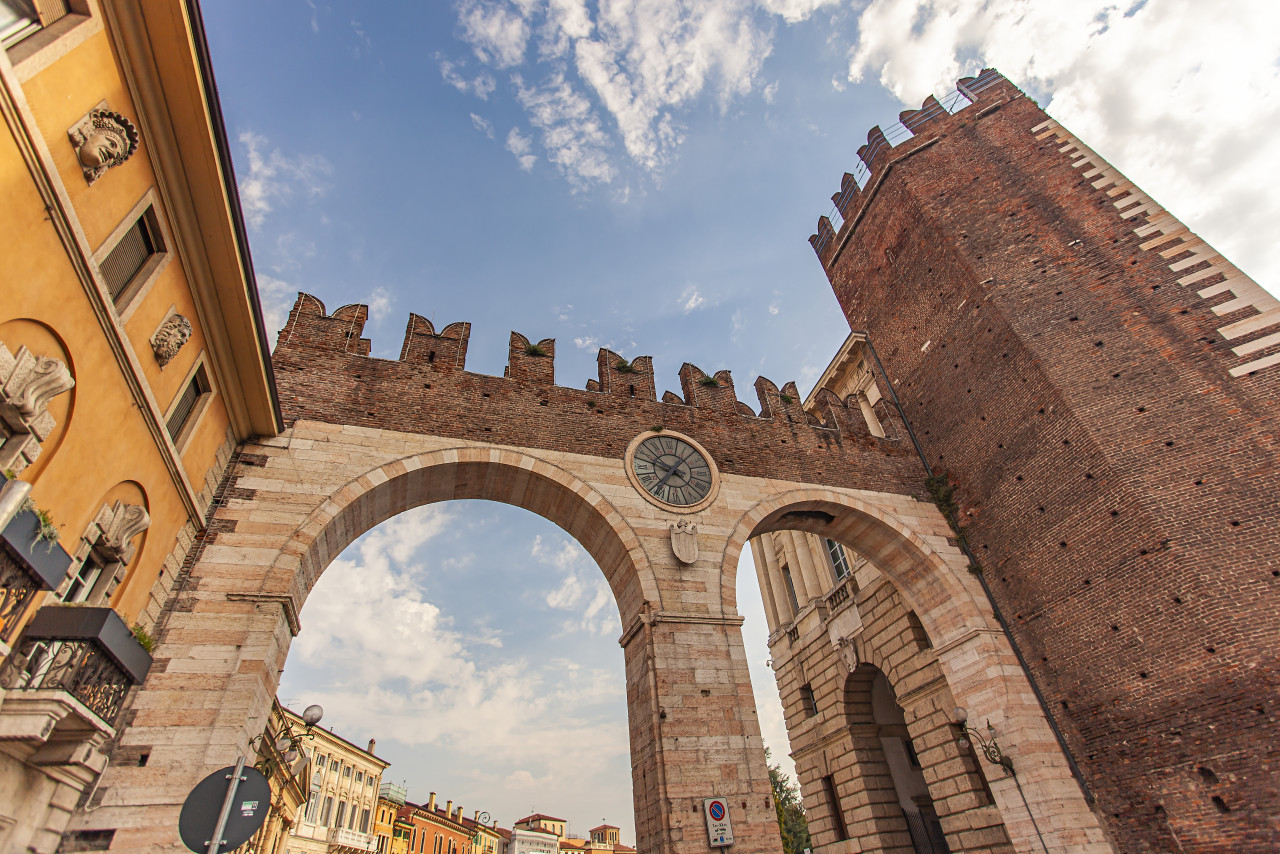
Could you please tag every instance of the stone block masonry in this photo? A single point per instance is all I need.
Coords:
(370, 438)
(1101, 387)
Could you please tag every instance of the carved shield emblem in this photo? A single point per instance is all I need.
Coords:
(684, 541)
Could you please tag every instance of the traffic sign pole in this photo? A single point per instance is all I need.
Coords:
(215, 845)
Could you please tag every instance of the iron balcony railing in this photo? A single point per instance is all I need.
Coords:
(28, 565)
(87, 652)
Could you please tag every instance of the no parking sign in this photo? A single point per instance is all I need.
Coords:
(719, 828)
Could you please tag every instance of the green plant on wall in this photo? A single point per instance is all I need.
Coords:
(535, 350)
(47, 531)
(143, 637)
(622, 366)
(709, 382)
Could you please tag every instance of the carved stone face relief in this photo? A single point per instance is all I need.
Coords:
(103, 139)
(27, 383)
(170, 337)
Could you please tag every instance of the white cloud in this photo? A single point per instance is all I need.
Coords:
(1185, 128)
(582, 590)
(482, 124)
(646, 61)
(380, 304)
(586, 342)
(276, 298)
(520, 145)
(794, 11)
(392, 661)
(274, 177)
(691, 298)
(770, 92)
(774, 308)
(572, 133)
(496, 31)
(480, 85)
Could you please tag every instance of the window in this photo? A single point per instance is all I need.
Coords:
(833, 804)
(808, 701)
(359, 776)
(85, 579)
(328, 808)
(342, 813)
(135, 256)
(346, 771)
(21, 18)
(364, 821)
(839, 560)
(791, 589)
(187, 408)
(333, 764)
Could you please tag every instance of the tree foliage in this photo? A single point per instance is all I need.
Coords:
(792, 824)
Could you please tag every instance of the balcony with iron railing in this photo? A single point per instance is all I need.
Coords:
(28, 565)
(86, 653)
(350, 840)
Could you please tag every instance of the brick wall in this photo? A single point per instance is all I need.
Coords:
(324, 374)
(1116, 479)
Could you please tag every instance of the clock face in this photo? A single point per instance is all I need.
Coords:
(672, 470)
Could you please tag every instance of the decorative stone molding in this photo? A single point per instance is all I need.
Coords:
(27, 384)
(117, 526)
(684, 541)
(169, 338)
(102, 139)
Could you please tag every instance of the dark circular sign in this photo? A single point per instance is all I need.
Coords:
(248, 810)
(717, 810)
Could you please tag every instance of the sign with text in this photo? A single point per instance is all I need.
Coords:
(719, 828)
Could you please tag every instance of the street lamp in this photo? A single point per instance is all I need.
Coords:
(481, 820)
(990, 747)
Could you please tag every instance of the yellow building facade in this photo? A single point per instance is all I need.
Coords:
(132, 362)
(341, 811)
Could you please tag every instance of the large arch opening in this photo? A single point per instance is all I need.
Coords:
(384, 516)
(477, 643)
(878, 631)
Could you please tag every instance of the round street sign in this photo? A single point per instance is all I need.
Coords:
(203, 806)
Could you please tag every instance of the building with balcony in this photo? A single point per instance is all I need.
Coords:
(341, 810)
(849, 653)
(132, 361)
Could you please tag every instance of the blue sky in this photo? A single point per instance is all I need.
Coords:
(642, 175)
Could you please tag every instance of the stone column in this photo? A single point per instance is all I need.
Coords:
(776, 581)
(771, 612)
(694, 735)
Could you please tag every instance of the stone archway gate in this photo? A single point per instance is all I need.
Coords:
(370, 438)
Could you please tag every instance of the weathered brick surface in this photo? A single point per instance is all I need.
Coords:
(1117, 482)
(323, 377)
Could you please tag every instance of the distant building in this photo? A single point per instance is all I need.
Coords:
(288, 772)
(437, 831)
(345, 785)
(391, 834)
(544, 823)
(525, 840)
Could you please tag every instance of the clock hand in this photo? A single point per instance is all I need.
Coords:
(675, 468)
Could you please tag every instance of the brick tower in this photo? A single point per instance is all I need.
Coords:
(1101, 389)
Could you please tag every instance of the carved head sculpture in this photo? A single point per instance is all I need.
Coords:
(102, 140)
(170, 337)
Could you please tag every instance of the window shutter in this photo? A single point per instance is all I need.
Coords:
(184, 407)
(126, 259)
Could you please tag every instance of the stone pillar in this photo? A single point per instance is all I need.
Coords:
(694, 735)
(776, 581)
(771, 611)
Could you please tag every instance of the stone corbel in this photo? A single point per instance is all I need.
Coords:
(27, 384)
(119, 524)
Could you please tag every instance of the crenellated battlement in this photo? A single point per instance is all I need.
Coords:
(311, 333)
(914, 131)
